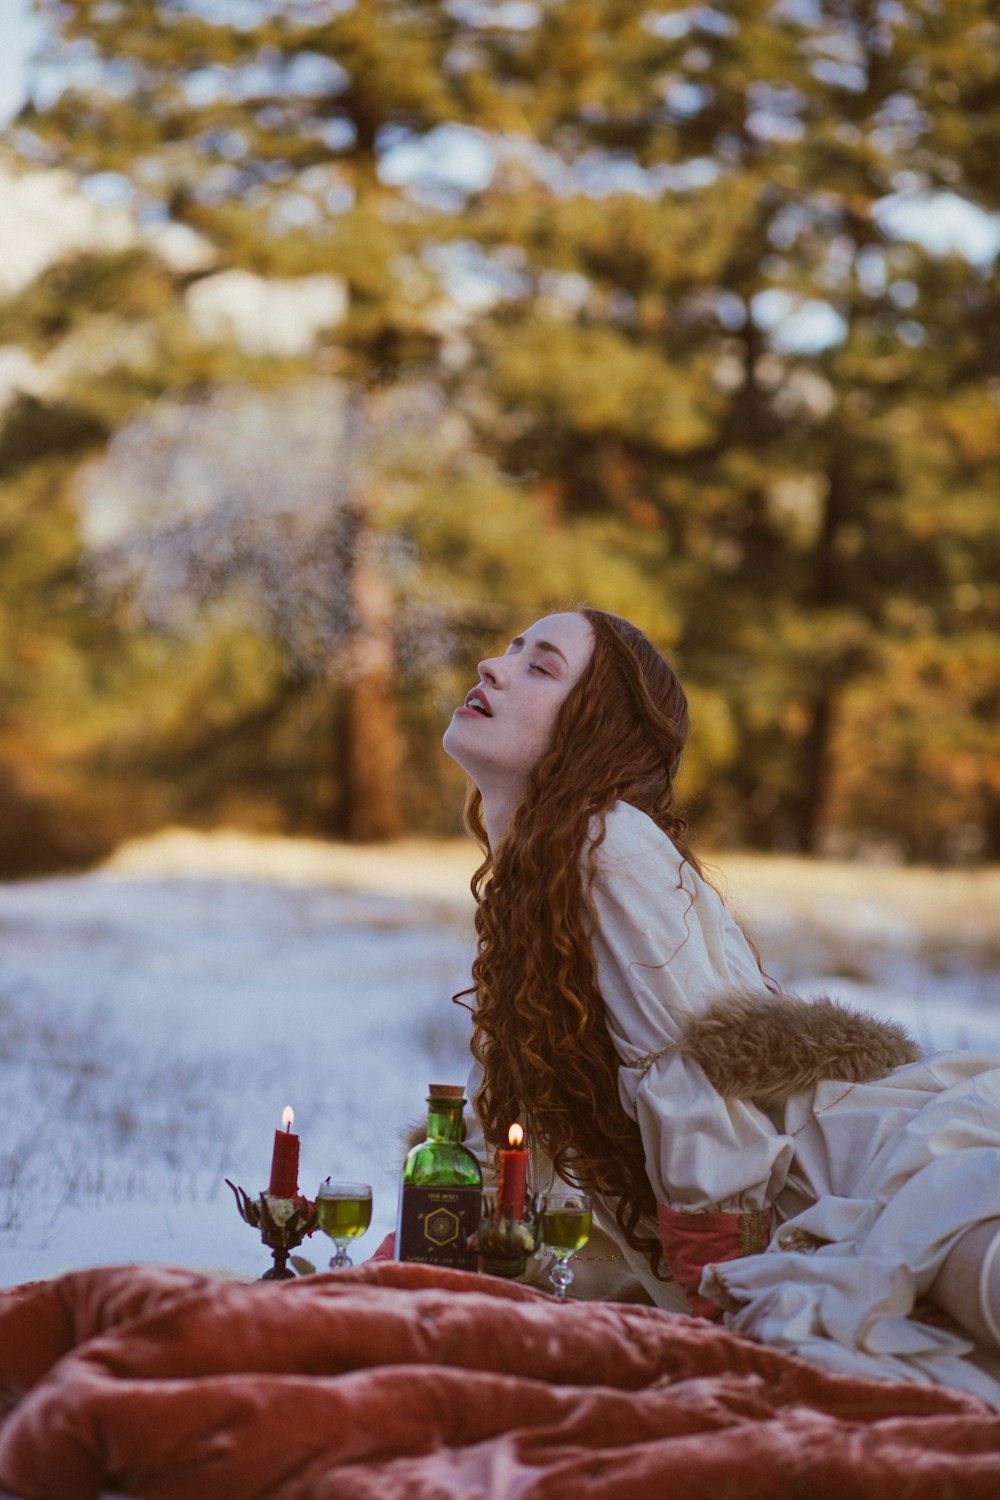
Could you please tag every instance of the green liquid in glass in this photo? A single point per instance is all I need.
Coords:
(344, 1218)
(566, 1230)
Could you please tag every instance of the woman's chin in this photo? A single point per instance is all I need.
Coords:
(452, 742)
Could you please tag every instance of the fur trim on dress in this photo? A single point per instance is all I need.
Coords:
(767, 1047)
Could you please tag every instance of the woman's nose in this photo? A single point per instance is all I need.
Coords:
(489, 670)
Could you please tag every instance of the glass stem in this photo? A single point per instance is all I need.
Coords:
(561, 1277)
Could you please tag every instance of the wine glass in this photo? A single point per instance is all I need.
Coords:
(565, 1228)
(344, 1210)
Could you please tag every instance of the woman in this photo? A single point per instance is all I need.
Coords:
(621, 1011)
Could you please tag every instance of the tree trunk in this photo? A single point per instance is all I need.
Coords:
(372, 744)
(827, 591)
(815, 773)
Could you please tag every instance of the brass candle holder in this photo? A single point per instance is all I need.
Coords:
(283, 1224)
(503, 1241)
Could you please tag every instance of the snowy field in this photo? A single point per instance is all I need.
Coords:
(155, 1017)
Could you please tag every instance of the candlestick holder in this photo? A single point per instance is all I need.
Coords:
(283, 1224)
(503, 1241)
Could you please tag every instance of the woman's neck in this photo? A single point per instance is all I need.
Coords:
(499, 806)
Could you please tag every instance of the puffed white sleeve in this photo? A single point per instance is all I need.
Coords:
(665, 946)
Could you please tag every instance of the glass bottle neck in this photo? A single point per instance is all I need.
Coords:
(444, 1120)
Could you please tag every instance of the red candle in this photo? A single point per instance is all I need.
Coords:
(513, 1172)
(285, 1159)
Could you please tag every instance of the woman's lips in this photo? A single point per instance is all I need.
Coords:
(477, 702)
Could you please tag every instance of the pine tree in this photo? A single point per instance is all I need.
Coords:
(267, 139)
(704, 345)
(709, 329)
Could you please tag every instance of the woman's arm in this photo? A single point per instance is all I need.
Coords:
(665, 947)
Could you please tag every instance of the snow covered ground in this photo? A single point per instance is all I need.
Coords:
(157, 1015)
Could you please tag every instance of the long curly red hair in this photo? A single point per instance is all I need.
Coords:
(539, 1032)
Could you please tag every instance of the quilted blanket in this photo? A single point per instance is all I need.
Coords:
(397, 1382)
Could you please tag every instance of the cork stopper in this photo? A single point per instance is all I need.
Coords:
(446, 1091)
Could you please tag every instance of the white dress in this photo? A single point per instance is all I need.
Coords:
(884, 1177)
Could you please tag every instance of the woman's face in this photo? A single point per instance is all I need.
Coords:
(505, 725)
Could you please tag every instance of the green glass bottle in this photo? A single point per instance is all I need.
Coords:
(440, 1197)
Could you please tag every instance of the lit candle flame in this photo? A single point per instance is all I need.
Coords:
(287, 1116)
(515, 1135)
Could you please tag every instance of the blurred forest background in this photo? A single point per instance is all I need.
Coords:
(379, 327)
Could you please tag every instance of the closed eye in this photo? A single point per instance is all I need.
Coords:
(536, 668)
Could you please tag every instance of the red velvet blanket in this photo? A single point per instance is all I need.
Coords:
(394, 1382)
